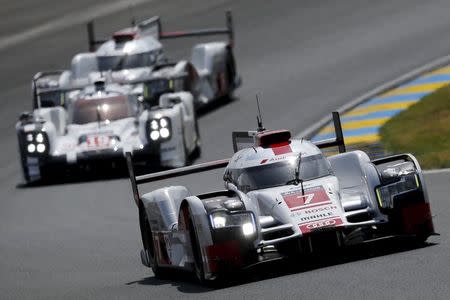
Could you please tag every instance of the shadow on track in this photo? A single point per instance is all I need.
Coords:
(185, 282)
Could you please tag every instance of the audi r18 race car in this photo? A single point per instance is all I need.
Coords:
(282, 197)
(97, 124)
(135, 54)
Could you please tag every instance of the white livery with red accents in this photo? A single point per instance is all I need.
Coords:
(282, 198)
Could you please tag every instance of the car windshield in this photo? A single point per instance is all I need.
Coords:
(95, 110)
(280, 173)
(123, 62)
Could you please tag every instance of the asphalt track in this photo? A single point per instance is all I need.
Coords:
(304, 59)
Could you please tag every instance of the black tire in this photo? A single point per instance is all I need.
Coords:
(196, 252)
(149, 247)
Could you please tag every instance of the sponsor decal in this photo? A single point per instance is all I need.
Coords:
(279, 150)
(295, 198)
(97, 141)
(311, 226)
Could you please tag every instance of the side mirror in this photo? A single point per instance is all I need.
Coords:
(26, 117)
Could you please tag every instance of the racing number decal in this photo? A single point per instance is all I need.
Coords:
(94, 141)
(296, 198)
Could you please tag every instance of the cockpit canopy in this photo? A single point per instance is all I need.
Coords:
(280, 173)
(102, 109)
(277, 164)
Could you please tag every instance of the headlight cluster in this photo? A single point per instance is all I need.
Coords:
(36, 143)
(159, 129)
(244, 220)
(386, 193)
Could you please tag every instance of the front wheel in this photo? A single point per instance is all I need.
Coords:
(195, 245)
(149, 247)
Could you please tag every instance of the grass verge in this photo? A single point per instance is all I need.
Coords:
(423, 129)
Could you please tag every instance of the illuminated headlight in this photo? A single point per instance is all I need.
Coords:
(31, 148)
(159, 128)
(39, 138)
(36, 143)
(165, 133)
(219, 220)
(248, 228)
(154, 125)
(163, 122)
(154, 135)
(243, 220)
(40, 148)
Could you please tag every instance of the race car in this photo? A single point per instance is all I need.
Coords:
(84, 127)
(282, 198)
(135, 54)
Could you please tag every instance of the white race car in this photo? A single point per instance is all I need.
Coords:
(97, 124)
(135, 54)
(282, 197)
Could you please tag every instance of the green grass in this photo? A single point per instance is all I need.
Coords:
(423, 129)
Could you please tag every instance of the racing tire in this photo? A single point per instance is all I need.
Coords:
(149, 247)
(195, 246)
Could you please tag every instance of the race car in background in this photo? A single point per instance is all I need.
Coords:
(135, 54)
(93, 125)
(282, 198)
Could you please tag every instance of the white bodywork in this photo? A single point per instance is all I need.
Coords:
(349, 197)
(135, 55)
(70, 143)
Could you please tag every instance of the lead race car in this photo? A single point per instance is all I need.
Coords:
(84, 127)
(135, 55)
(282, 197)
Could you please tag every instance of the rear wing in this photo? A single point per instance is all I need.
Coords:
(137, 180)
(246, 139)
(153, 27)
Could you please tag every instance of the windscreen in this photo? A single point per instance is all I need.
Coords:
(97, 110)
(281, 173)
(123, 62)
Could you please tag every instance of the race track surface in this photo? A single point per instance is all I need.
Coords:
(303, 58)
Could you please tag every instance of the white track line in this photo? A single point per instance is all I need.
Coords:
(440, 62)
(68, 20)
(436, 171)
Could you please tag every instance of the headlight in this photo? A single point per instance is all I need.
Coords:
(248, 229)
(386, 193)
(40, 148)
(164, 132)
(36, 143)
(159, 129)
(39, 138)
(244, 220)
(31, 148)
(154, 135)
(154, 125)
(219, 220)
